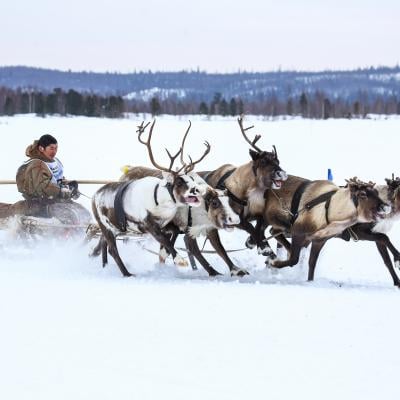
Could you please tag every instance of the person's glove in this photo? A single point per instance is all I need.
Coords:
(65, 193)
(73, 187)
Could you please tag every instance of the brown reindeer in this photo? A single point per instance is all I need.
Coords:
(314, 211)
(376, 231)
(246, 186)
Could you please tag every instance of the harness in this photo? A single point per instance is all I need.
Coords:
(120, 215)
(170, 188)
(190, 219)
(322, 198)
(221, 185)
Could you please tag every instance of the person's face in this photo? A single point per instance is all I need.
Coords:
(49, 151)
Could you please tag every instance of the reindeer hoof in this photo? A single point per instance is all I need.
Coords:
(267, 252)
(128, 275)
(180, 261)
(250, 243)
(162, 256)
(214, 273)
(238, 272)
(273, 263)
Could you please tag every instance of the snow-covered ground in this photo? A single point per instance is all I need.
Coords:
(72, 330)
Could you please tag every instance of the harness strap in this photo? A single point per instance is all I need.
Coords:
(170, 188)
(155, 194)
(327, 204)
(294, 207)
(207, 176)
(324, 197)
(236, 199)
(221, 185)
(120, 215)
(190, 220)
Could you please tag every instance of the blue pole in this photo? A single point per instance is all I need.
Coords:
(330, 176)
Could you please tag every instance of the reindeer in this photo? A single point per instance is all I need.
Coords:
(246, 186)
(315, 211)
(146, 205)
(376, 231)
(215, 212)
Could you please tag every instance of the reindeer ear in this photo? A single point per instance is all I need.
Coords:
(254, 154)
(208, 196)
(168, 176)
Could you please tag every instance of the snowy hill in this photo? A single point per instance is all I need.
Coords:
(73, 330)
(197, 85)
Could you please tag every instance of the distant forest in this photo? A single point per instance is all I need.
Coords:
(328, 94)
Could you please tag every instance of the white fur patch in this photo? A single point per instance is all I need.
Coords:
(385, 225)
(231, 216)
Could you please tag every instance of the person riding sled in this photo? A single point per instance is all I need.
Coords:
(41, 180)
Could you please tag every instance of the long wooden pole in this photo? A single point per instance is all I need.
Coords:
(81, 181)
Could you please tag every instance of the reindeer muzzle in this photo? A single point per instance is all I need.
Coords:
(278, 179)
(192, 200)
(384, 210)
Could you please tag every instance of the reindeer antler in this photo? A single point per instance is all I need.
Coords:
(189, 167)
(192, 164)
(243, 130)
(357, 182)
(183, 142)
(147, 143)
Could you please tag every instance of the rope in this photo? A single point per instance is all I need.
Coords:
(84, 195)
(284, 208)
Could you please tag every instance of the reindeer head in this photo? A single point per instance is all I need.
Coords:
(220, 213)
(265, 165)
(394, 193)
(370, 207)
(184, 187)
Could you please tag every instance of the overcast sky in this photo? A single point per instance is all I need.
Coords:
(212, 35)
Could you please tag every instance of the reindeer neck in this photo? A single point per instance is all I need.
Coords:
(343, 206)
(242, 181)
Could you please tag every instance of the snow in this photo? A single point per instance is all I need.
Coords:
(73, 330)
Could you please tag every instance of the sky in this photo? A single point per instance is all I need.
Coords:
(210, 35)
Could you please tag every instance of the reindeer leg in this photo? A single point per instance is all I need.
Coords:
(264, 248)
(384, 239)
(190, 250)
(164, 253)
(191, 244)
(104, 249)
(97, 250)
(283, 242)
(101, 247)
(388, 262)
(383, 243)
(395, 252)
(257, 237)
(155, 230)
(316, 247)
(215, 241)
(297, 243)
(111, 243)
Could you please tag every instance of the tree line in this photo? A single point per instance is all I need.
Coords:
(309, 105)
(60, 102)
